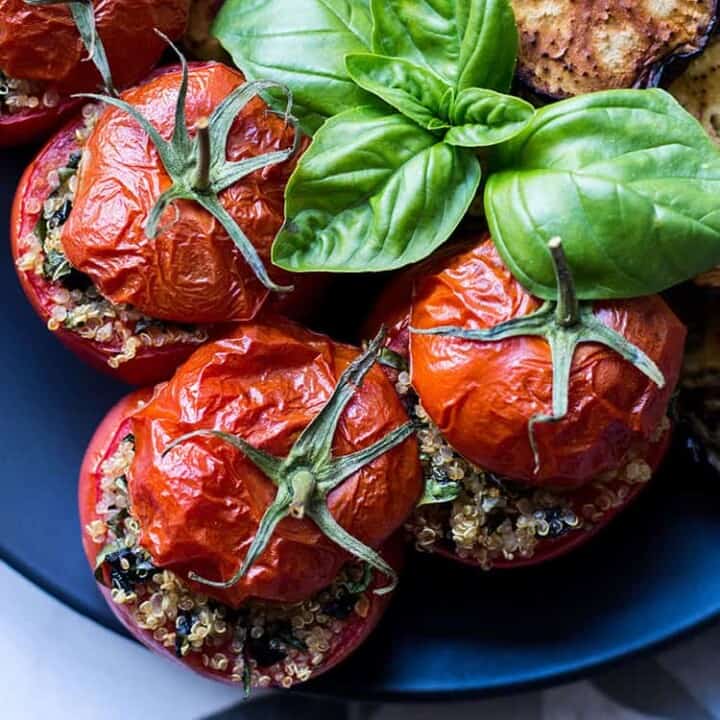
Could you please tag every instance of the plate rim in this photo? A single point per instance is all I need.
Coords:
(541, 681)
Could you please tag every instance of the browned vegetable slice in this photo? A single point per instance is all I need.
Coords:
(698, 90)
(569, 47)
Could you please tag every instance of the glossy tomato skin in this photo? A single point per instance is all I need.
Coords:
(192, 271)
(481, 395)
(264, 382)
(393, 310)
(150, 365)
(105, 441)
(42, 44)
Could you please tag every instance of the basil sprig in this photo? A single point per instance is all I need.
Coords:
(391, 174)
(627, 178)
(302, 45)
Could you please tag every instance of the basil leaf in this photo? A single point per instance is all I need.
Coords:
(468, 43)
(481, 118)
(302, 48)
(627, 178)
(413, 90)
(373, 192)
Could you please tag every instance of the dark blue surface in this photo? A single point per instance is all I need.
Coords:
(451, 631)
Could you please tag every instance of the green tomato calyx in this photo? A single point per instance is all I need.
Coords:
(199, 168)
(307, 475)
(565, 323)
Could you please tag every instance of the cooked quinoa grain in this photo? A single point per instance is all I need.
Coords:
(492, 519)
(18, 95)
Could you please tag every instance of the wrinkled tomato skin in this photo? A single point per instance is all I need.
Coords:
(150, 365)
(393, 310)
(42, 44)
(264, 382)
(481, 395)
(105, 441)
(192, 271)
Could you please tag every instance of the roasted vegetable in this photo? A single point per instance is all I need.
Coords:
(264, 475)
(571, 47)
(112, 339)
(58, 264)
(386, 183)
(698, 88)
(492, 497)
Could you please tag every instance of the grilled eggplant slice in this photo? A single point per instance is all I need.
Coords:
(698, 88)
(569, 47)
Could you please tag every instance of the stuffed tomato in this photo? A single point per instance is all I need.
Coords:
(136, 305)
(507, 483)
(240, 517)
(43, 59)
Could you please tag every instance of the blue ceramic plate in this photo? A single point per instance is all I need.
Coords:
(451, 631)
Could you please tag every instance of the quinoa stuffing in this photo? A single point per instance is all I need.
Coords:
(76, 304)
(18, 95)
(484, 518)
(261, 644)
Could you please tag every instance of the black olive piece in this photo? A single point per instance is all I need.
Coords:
(553, 517)
(59, 217)
(75, 280)
(272, 646)
(494, 520)
(340, 607)
(138, 569)
(74, 160)
(183, 627)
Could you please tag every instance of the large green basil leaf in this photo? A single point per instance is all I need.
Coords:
(412, 89)
(627, 178)
(373, 192)
(481, 118)
(468, 43)
(301, 45)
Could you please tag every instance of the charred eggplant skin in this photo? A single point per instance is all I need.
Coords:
(571, 47)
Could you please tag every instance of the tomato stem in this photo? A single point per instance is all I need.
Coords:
(310, 472)
(303, 486)
(202, 178)
(567, 310)
(200, 171)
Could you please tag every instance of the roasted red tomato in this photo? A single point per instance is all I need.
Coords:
(191, 270)
(482, 395)
(118, 340)
(116, 337)
(174, 511)
(485, 500)
(43, 59)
